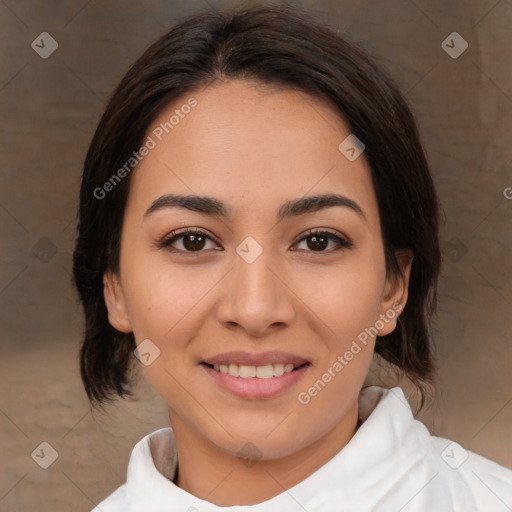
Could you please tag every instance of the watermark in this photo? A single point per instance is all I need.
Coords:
(146, 352)
(150, 143)
(454, 455)
(305, 397)
(44, 249)
(249, 454)
(351, 147)
(508, 193)
(454, 45)
(249, 249)
(45, 455)
(455, 250)
(44, 45)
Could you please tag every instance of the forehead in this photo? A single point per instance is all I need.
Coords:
(249, 144)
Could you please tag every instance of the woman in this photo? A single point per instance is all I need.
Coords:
(257, 221)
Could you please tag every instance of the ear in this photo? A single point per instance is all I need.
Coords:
(395, 293)
(115, 302)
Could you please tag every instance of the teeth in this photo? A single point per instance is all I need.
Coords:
(261, 372)
(247, 371)
(265, 372)
(278, 370)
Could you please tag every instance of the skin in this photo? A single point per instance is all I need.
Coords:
(253, 147)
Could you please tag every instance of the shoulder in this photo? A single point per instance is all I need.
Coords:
(143, 473)
(115, 502)
(485, 484)
(458, 479)
(418, 471)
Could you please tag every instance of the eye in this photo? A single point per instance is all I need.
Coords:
(317, 241)
(187, 240)
(194, 240)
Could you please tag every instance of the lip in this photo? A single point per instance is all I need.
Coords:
(254, 388)
(261, 359)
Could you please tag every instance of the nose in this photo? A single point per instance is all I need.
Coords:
(256, 298)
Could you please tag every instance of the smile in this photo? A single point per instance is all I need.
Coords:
(256, 382)
(259, 372)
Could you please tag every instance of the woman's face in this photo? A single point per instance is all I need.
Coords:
(254, 288)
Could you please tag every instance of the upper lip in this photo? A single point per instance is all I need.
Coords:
(261, 359)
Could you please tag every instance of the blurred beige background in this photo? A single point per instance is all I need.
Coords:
(50, 108)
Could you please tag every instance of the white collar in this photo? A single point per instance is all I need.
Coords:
(357, 469)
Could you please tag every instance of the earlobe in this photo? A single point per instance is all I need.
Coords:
(396, 292)
(115, 303)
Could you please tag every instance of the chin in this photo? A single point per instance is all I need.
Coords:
(260, 445)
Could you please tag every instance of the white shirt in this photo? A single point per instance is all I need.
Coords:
(391, 464)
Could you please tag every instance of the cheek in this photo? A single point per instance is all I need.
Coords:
(160, 296)
(164, 305)
(348, 306)
(347, 298)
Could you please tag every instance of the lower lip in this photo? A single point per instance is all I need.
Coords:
(255, 388)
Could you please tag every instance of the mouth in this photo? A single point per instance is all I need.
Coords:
(267, 371)
(255, 376)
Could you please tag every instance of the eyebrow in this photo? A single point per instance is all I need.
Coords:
(214, 207)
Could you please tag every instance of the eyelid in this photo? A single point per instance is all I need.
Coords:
(343, 241)
(166, 241)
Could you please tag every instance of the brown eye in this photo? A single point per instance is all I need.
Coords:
(186, 241)
(193, 242)
(318, 241)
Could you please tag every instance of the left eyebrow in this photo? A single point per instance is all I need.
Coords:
(292, 208)
(315, 203)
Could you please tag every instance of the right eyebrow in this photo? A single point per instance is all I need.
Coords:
(201, 204)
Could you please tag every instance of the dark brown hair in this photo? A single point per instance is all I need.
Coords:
(272, 45)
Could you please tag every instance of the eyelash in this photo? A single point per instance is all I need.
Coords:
(343, 243)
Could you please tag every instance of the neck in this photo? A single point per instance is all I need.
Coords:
(211, 474)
